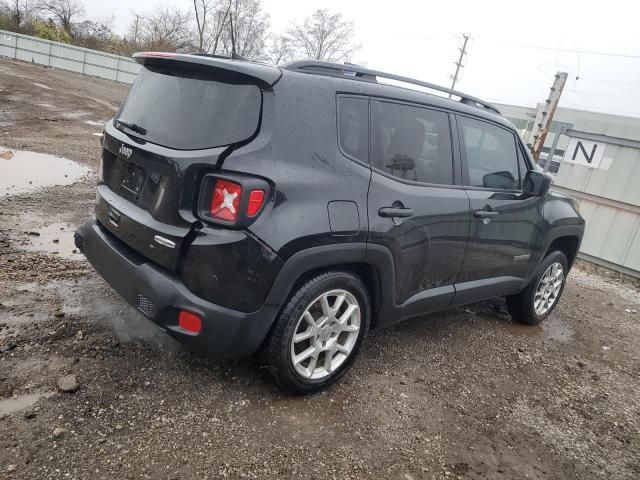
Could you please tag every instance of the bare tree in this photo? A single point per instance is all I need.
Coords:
(324, 36)
(65, 12)
(279, 49)
(18, 11)
(250, 27)
(212, 17)
(214, 20)
(95, 34)
(218, 23)
(202, 10)
(166, 28)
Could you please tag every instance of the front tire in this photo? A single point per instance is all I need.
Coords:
(319, 332)
(537, 301)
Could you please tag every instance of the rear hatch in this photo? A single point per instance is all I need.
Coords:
(182, 116)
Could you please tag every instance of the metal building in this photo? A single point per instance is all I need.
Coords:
(597, 162)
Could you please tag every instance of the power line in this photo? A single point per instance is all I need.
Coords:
(573, 50)
(560, 49)
(613, 95)
(619, 82)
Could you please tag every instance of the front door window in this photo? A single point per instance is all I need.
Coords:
(491, 155)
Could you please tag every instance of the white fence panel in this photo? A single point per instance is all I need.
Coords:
(68, 57)
(7, 45)
(67, 52)
(33, 50)
(609, 232)
(633, 257)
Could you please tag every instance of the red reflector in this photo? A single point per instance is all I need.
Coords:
(189, 321)
(256, 197)
(226, 200)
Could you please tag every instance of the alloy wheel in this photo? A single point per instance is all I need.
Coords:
(548, 289)
(326, 334)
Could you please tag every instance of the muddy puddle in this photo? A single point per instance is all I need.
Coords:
(56, 238)
(554, 328)
(75, 115)
(22, 171)
(7, 119)
(21, 402)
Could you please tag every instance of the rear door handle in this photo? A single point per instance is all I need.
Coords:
(485, 214)
(395, 212)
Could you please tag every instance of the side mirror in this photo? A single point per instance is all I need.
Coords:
(500, 180)
(536, 183)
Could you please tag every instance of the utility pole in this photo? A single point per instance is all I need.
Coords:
(458, 64)
(135, 35)
(544, 115)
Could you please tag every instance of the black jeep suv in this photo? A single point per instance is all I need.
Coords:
(245, 207)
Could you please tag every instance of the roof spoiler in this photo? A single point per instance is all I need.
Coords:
(267, 75)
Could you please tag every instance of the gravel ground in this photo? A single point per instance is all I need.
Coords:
(89, 389)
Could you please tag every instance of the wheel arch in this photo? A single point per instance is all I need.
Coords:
(372, 264)
(567, 244)
(567, 239)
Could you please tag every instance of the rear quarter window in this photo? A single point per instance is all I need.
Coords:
(192, 109)
(353, 127)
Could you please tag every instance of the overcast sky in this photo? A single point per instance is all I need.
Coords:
(514, 52)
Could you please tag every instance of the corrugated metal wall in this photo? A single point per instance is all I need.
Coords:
(609, 199)
(67, 57)
(609, 196)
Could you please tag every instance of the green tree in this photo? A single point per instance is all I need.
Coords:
(48, 30)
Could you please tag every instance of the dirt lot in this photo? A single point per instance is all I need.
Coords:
(461, 394)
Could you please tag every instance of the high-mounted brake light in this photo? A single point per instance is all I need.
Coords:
(158, 54)
(226, 200)
(256, 198)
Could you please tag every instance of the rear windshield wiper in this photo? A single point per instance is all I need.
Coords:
(131, 126)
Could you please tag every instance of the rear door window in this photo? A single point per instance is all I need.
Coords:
(190, 109)
(411, 143)
(490, 153)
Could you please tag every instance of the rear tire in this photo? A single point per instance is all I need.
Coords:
(318, 333)
(537, 301)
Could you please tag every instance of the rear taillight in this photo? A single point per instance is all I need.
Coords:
(256, 199)
(232, 199)
(225, 203)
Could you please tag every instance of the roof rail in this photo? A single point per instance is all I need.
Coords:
(361, 73)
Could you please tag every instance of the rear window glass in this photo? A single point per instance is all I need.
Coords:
(191, 109)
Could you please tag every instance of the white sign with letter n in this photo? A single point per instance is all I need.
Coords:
(584, 152)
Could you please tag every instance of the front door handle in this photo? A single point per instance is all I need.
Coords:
(395, 212)
(485, 214)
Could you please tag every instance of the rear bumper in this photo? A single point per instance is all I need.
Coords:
(226, 333)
